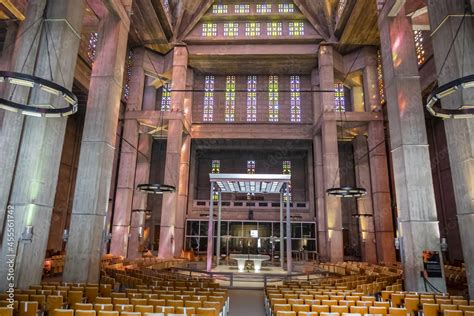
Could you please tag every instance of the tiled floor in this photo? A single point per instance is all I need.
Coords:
(246, 303)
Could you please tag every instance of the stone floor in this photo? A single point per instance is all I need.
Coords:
(246, 303)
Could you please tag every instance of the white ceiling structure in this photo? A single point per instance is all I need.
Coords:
(250, 183)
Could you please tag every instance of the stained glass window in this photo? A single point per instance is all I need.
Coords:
(274, 29)
(341, 6)
(251, 98)
(128, 76)
(287, 170)
(420, 49)
(296, 28)
(208, 99)
(251, 166)
(273, 99)
(286, 8)
(295, 99)
(242, 8)
(166, 97)
(264, 8)
(231, 29)
(92, 46)
(209, 29)
(252, 29)
(216, 168)
(380, 77)
(340, 104)
(219, 8)
(230, 99)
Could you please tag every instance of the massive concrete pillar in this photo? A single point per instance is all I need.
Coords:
(370, 79)
(381, 199)
(142, 175)
(128, 160)
(330, 151)
(364, 204)
(23, 60)
(37, 166)
(94, 172)
(171, 227)
(417, 219)
(445, 19)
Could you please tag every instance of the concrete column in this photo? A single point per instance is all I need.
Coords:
(140, 199)
(172, 228)
(330, 155)
(445, 18)
(94, 172)
(364, 204)
(128, 161)
(23, 60)
(417, 218)
(370, 79)
(320, 198)
(182, 193)
(381, 199)
(37, 166)
(137, 231)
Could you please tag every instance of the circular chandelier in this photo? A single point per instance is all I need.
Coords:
(347, 191)
(156, 188)
(433, 104)
(47, 86)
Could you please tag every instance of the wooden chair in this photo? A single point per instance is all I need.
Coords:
(448, 312)
(286, 313)
(53, 302)
(143, 308)
(188, 311)
(6, 311)
(430, 309)
(443, 307)
(347, 303)
(397, 299)
(84, 306)
(123, 308)
(307, 314)
(206, 311)
(359, 310)
(26, 308)
(395, 311)
(162, 309)
(41, 299)
(103, 300)
(104, 307)
(91, 292)
(74, 297)
(320, 308)
(195, 304)
(64, 312)
(300, 308)
(363, 303)
(382, 304)
(377, 310)
(466, 308)
(412, 304)
(281, 307)
(138, 301)
(339, 309)
(107, 313)
(130, 314)
(120, 301)
(80, 312)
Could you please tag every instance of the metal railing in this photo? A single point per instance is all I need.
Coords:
(223, 276)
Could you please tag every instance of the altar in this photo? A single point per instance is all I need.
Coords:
(248, 184)
(256, 259)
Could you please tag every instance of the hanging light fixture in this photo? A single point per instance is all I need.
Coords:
(433, 103)
(66, 101)
(157, 188)
(346, 191)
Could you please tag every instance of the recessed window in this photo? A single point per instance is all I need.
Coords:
(92, 46)
(231, 29)
(296, 28)
(264, 8)
(219, 8)
(287, 170)
(340, 104)
(273, 96)
(251, 98)
(209, 29)
(252, 29)
(274, 28)
(295, 99)
(251, 166)
(208, 99)
(242, 8)
(230, 99)
(166, 97)
(419, 46)
(286, 8)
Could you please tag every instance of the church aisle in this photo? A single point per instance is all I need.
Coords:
(247, 303)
